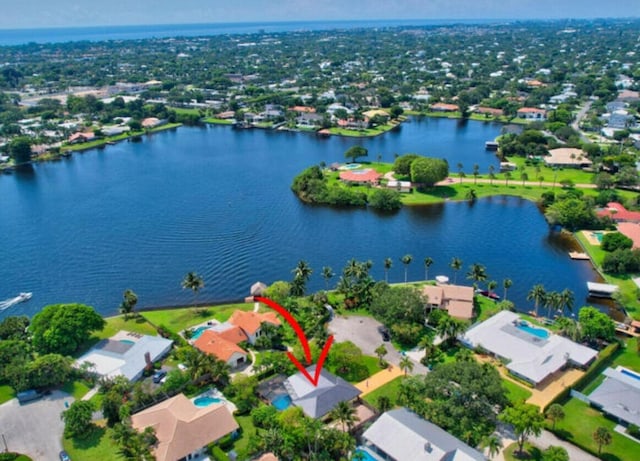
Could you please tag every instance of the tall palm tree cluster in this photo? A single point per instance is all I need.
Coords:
(553, 301)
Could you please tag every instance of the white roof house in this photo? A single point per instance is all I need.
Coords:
(403, 435)
(533, 353)
(125, 354)
(619, 395)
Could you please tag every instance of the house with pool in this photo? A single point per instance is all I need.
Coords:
(183, 428)
(126, 354)
(531, 353)
(618, 395)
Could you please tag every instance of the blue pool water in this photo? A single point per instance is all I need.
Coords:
(198, 332)
(281, 402)
(364, 455)
(539, 332)
(206, 401)
(351, 166)
(630, 373)
(127, 341)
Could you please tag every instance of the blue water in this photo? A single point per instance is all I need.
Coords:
(217, 201)
(281, 402)
(137, 32)
(198, 332)
(630, 373)
(127, 341)
(539, 332)
(206, 401)
(364, 455)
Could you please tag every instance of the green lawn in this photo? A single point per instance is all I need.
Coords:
(248, 433)
(390, 390)
(576, 175)
(134, 324)
(77, 389)
(179, 319)
(362, 133)
(218, 121)
(515, 393)
(579, 424)
(185, 111)
(6, 393)
(485, 308)
(98, 445)
(628, 356)
(530, 452)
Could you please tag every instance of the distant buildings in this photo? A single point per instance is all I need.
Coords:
(532, 113)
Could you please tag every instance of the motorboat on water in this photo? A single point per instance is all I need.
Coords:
(7, 303)
(24, 296)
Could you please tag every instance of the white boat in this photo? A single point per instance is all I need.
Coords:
(7, 303)
(24, 296)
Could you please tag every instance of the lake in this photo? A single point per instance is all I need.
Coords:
(217, 201)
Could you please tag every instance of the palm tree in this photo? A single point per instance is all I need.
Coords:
(555, 413)
(569, 327)
(476, 173)
(460, 172)
(345, 414)
(426, 343)
(455, 264)
(128, 304)
(381, 351)
(507, 177)
(471, 195)
(524, 176)
(552, 302)
(491, 286)
(384, 403)
(406, 260)
(492, 175)
(193, 282)
(537, 294)
(301, 274)
(506, 284)
(406, 364)
(541, 179)
(388, 262)
(566, 300)
(327, 274)
(493, 445)
(477, 273)
(602, 436)
(427, 263)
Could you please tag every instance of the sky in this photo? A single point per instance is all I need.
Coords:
(20, 14)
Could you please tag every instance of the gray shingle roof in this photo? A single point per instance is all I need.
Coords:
(619, 395)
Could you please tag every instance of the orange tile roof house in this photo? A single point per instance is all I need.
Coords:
(184, 429)
(532, 113)
(213, 343)
(360, 176)
(457, 300)
(617, 212)
(250, 322)
(442, 107)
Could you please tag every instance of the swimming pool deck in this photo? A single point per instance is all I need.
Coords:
(379, 379)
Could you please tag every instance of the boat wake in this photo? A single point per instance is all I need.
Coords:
(7, 303)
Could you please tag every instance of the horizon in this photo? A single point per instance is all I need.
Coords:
(55, 14)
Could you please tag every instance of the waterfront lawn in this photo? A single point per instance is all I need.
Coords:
(6, 393)
(97, 445)
(515, 393)
(459, 191)
(137, 324)
(579, 424)
(485, 308)
(576, 175)
(218, 121)
(390, 390)
(362, 133)
(178, 320)
(185, 111)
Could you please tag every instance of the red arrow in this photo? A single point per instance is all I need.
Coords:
(303, 340)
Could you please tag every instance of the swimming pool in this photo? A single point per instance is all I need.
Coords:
(539, 332)
(630, 373)
(206, 401)
(598, 235)
(350, 166)
(362, 454)
(281, 402)
(198, 332)
(127, 341)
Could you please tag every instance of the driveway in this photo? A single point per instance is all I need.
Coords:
(363, 332)
(34, 428)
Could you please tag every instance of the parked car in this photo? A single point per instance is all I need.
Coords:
(384, 331)
(29, 395)
(64, 456)
(158, 375)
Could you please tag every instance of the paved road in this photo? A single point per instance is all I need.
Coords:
(34, 428)
(579, 116)
(363, 332)
(513, 181)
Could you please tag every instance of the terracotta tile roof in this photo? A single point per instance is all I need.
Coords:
(360, 176)
(618, 212)
(211, 342)
(444, 107)
(182, 428)
(531, 110)
(268, 457)
(489, 110)
(303, 109)
(234, 335)
(250, 321)
(456, 299)
(631, 230)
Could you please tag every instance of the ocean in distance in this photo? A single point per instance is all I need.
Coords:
(9, 37)
(217, 201)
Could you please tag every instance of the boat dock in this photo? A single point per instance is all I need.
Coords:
(601, 290)
(578, 256)
(491, 145)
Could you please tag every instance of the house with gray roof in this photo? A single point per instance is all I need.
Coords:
(619, 395)
(532, 353)
(317, 401)
(126, 354)
(402, 435)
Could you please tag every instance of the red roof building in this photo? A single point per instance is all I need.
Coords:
(442, 107)
(617, 212)
(360, 176)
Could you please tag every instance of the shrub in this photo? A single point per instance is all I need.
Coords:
(613, 241)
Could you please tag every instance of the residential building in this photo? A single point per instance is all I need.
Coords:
(360, 176)
(532, 113)
(618, 213)
(442, 107)
(619, 395)
(213, 343)
(183, 429)
(457, 300)
(318, 401)
(251, 322)
(402, 435)
(126, 354)
(567, 157)
(490, 111)
(531, 353)
(81, 137)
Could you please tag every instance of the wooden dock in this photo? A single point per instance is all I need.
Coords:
(578, 256)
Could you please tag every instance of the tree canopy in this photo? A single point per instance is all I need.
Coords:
(428, 171)
(62, 328)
